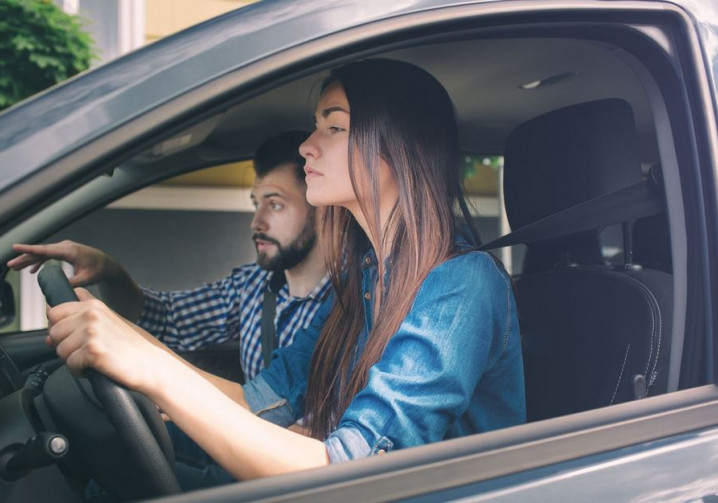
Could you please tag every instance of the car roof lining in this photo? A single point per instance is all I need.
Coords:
(490, 102)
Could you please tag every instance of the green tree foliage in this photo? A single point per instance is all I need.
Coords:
(472, 162)
(40, 45)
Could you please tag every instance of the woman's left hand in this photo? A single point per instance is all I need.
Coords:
(90, 334)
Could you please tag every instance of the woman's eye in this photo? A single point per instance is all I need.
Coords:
(334, 129)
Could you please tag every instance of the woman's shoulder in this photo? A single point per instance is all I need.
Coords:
(471, 263)
(466, 271)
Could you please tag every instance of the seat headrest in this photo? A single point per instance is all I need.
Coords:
(568, 156)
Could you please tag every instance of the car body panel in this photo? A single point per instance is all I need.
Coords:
(513, 462)
(663, 470)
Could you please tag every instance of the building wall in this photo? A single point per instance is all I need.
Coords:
(168, 249)
(164, 17)
(174, 250)
(121, 26)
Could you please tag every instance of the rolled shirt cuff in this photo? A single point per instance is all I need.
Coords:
(345, 444)
(264, 402)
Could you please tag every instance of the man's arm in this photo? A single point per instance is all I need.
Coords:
(117, 288)
(92, 267)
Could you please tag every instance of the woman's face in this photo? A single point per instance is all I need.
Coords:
(327, 152)
(327, 155)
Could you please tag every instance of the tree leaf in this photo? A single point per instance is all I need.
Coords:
(40, 45)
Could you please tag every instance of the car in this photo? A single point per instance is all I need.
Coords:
(603, 113)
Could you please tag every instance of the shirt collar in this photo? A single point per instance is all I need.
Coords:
(316, 294)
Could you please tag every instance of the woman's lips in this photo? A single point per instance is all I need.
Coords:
(310, 173)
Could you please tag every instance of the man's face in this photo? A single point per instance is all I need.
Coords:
(283, 223)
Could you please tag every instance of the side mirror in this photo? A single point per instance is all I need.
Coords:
(7, 304)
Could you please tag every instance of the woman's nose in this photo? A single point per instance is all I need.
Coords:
(308, 149)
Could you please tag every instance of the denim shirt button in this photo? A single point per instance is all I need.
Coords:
(367, 295)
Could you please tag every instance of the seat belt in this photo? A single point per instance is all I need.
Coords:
(630, 203)
(269, 310)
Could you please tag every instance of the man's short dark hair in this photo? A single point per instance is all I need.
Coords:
(278, 150)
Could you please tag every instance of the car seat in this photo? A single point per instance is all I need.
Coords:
(594, 334)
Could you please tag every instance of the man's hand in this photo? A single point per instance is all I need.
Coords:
(91, 265)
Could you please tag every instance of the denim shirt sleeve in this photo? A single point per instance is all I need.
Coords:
(457, 329)
(277, 393)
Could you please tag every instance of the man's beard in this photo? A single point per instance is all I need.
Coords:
(291, 255)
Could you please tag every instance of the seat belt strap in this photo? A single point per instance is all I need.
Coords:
(269, 310)
(631, 203)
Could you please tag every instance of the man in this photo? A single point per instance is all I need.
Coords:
(288, 259)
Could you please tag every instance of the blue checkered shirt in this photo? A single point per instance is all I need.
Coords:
(228, 309)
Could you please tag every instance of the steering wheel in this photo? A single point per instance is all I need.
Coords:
(75, 404)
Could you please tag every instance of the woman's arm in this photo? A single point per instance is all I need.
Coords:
(245, 445)
(88, 334)
(230, 388)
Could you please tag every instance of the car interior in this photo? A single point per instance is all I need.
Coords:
(591, 188)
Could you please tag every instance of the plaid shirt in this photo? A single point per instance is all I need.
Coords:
(228, 309)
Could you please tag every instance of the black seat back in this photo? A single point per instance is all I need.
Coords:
(594, 335)
(588, 334)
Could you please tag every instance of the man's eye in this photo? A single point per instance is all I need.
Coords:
(276, 206)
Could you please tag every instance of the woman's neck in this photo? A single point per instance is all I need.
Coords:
(381, 240)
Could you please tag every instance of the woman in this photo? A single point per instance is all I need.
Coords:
(421, 340)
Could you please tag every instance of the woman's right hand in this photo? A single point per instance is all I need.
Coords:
(91, 265)
(89, 334)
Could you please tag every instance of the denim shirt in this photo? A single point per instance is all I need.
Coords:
(453, 367)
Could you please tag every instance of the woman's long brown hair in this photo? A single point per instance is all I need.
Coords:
(401, 114)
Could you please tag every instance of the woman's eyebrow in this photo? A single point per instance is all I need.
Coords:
(329, 110)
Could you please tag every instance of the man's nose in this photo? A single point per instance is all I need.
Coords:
(259, 223)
